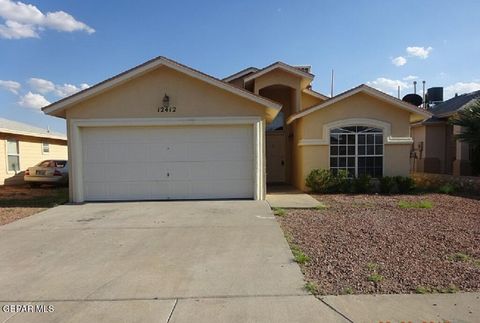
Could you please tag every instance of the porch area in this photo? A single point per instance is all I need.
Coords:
(288, 197)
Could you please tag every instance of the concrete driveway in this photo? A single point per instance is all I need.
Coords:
(205, 261)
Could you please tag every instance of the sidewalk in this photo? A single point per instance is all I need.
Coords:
(454, 308)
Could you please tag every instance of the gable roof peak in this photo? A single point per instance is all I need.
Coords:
(362, 88)
(145, 67)
(279, 64)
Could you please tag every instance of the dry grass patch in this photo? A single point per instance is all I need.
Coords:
(17, 202)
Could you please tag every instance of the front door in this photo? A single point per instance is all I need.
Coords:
(276, 157)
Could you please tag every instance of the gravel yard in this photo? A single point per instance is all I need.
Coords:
(389, 244)
(17, 202)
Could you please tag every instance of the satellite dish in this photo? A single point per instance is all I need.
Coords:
(414, 99)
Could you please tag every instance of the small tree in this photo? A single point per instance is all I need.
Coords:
(469, 120)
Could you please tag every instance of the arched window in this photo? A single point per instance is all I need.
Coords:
(358, 150)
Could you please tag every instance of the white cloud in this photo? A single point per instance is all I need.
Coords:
(33, 100)
(420, 52)
(11, 86)
(69, 89)
(61, 90)
(410, 78)
(15, 30)
(460, 88)
(62, 21)
(41, 85)
(25, 21)
(399, 61)
(389, 86)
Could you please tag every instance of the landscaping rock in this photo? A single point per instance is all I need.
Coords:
(412, 249)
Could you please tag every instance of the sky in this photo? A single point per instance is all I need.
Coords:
(51, 49)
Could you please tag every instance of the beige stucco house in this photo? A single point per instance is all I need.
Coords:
(435, 149)
(163, 130)
(23, 146)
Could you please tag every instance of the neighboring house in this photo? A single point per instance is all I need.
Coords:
(435, 149)
(163, 130)
(23, 146)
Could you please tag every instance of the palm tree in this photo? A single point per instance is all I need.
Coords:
(469, 120)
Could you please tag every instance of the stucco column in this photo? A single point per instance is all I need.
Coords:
(298, 100)
(461, 164)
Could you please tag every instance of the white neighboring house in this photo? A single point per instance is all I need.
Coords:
(23, 145)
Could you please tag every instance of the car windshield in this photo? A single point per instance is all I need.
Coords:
(46, 163)
(53, 163)
(60, 163)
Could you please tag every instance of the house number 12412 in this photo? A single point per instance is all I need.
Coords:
(167, 109)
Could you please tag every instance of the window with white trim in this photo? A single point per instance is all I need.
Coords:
(358, 150)
(13, 157)
(45, 147)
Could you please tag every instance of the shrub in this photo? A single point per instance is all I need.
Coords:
(319, 180)
(387, 185)
(362, 184)
(447, 188)
(323, 181)
(340, 182)
(405, 184)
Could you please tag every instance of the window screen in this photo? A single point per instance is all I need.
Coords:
(358, 150)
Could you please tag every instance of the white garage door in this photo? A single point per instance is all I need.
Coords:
(184, 162)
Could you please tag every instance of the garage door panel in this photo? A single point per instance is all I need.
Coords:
(181, 189)
(96, 172)
(231, 170)
(95, 190)
(121, 135)
(210, 151)
(199, 171)
(128, 191)
(223, 189)
(121, 172)
(168, 151)
(126, 152)
(169, 135)
(191, 162)
(94, 152)
(217, 134)
(157, 172)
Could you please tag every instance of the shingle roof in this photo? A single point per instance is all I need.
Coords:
(454, 104)
(239, 74)
(15, 127)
